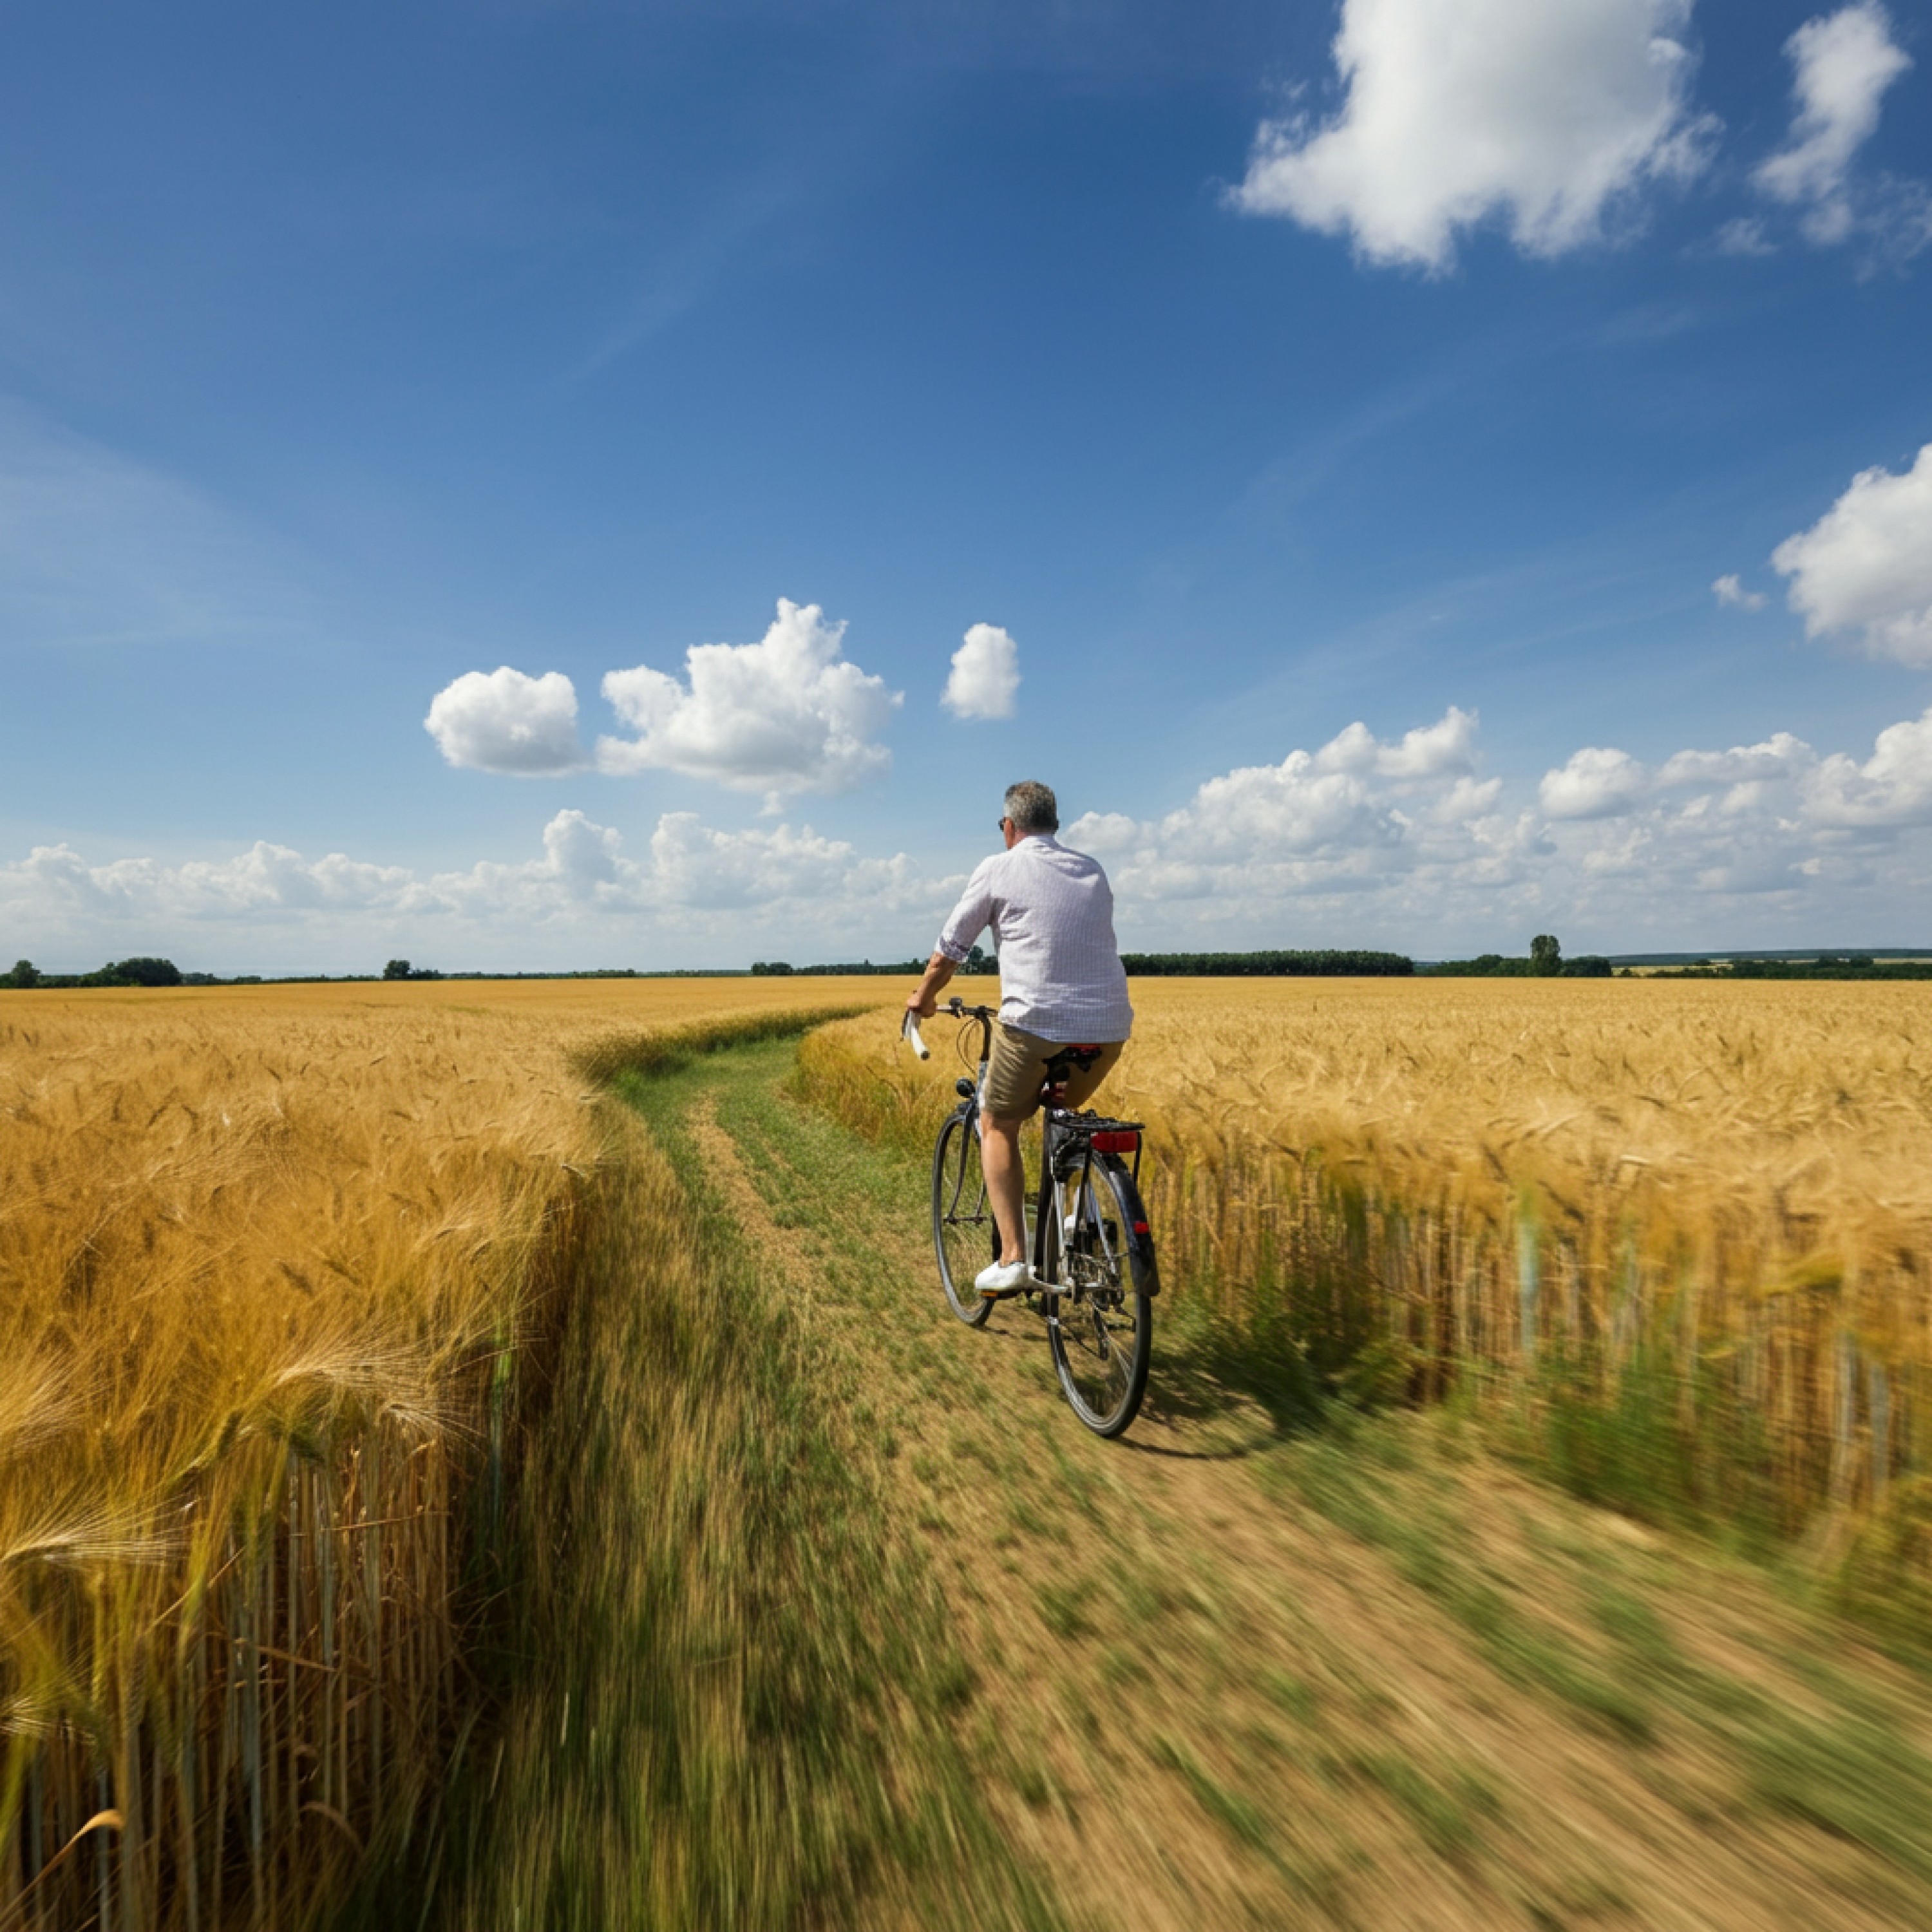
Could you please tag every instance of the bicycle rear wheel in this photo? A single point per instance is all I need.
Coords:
(1101, 1320)
(963, 1237)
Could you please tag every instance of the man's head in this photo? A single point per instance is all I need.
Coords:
(1029, 808)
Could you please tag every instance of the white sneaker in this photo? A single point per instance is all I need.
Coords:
(1002, 1279)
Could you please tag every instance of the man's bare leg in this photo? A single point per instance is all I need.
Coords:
(1005, 1183)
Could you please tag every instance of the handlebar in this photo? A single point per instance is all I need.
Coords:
(957, 1008)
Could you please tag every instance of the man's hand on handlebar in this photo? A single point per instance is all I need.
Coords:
(924, 1001)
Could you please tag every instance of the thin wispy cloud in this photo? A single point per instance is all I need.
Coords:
(1843, 64)
(96, 548)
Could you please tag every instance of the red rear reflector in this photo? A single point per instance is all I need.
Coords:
(1116, 1143)
(1140, 1227)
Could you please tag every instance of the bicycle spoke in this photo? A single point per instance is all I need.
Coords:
(1100, 1347)
(962, 1219)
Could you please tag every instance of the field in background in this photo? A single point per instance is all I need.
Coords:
(1694, 1222)
(277, 1266)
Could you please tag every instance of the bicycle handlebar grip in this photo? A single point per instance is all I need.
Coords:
(911, 1030)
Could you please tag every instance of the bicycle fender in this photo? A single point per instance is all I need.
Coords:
(1139, 1235)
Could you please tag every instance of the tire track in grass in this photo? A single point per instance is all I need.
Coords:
(726, 1706)
(1371, 1679)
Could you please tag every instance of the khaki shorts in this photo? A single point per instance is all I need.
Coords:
(1022, 1061)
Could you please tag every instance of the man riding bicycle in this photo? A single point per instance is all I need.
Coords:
(1063, 1010)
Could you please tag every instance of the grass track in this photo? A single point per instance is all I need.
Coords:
(855, 1626)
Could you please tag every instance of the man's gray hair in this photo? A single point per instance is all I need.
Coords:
(1032, 807)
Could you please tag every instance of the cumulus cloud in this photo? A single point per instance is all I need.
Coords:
(265, 879)
(1548, 117)
(691, 879)
(788, 714)
(1730, 592)
(1364, 840)
(1866, 565)
(1893, 787)
(1429, 751)
(1780, 756)
(1356, 843)
(1600, 781)
(1842, 64)
(1597, 782)
(985, 675)
(502, 721)
(1339, 819)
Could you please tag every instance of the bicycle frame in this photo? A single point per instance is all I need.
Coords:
(1090, 1276)
(1050, 1201)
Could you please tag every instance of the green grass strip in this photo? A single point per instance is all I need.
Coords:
(725, 1694)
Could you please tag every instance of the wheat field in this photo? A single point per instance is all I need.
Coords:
(284, 1269)
(1436, 1185)
(277, 1268)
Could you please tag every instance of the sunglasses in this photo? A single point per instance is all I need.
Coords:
(1003, 824)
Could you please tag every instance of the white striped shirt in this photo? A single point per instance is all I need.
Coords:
(1051, 911)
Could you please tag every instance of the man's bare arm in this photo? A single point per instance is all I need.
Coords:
(925, 1002)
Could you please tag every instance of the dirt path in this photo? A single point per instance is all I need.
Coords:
(1371, 1678)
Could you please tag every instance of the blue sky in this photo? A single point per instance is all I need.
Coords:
(1240, 375)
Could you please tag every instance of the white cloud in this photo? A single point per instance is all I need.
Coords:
(1768, 843)
(1548, 116)
(1362, 841)
(265, 879)
(502, 721)
(1866, 565)
(1730, 592)
(985, 674)
(787, 714)
(1342, 819)
(1843, 65)
(693, 884)
(1428, 752)
(1892, 787)
(1780, 756)
(1597, 782)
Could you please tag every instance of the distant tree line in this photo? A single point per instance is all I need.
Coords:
(1545, 962)
(1826, 966)
(978, 960)
(1270, 965)
(140, 972)
(148, 972)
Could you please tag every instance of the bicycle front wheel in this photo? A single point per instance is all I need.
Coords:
(963, 1237)
(1100, 1320)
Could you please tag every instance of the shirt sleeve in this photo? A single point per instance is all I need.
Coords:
(970, 916)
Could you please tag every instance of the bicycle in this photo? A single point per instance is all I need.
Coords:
(1094, 1267)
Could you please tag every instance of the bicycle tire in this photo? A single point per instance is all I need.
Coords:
(1100, 1323)
(965, 1238)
